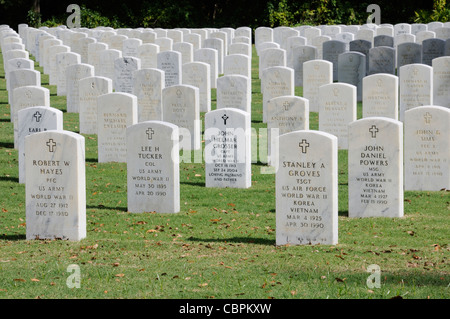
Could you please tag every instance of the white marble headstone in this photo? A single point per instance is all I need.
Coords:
(234, 91)
(237, 64)
(147, 86)
(123, 73)
(375, 168)
(337, 108)
(441, 81)
(427, 148)
(276, 81)
(301, 54)
(315, 74)
(116, 111)
(148, 53)
(227, 148)
(27, 96)
(63, 60)
(74, 73)
(306, 189)
(170, 63)
(32, 120)
(153, 167)
(181, 107)
(271, 57)
(285, 114)
(415, 87)
(106, 66)
(198, 74)
(55, 186)
(208, 55)
(380, 96)
(90, 88)
(53, 66)
(218, 45)
(19, 78)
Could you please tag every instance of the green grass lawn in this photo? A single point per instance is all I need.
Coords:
(221, 244)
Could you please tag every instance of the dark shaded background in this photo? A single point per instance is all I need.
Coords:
(205, 13)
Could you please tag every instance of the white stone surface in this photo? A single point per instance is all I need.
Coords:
(234, 91)
(307, 189)
(375, 168)
(147, 86)
(380, 96)
(181, 107)
(427, 148)
(315, 74)
(74, 73)
(198, 74)
(27, 96)
(170, 63)
(276, 81)
(90, 88)
(32, 120)
(415, 87)
(441, 81)
(116, 111)
(153, 167)
(123, 73)
(228, 148)
(55, 186)
(285, 114)
(337, 109)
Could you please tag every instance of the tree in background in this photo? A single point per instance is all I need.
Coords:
(440, 12)
(216, 13)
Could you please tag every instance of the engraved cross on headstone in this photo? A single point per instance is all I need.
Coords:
(427, 117)
(150, 133)
(374, 130)
(286, 105)
(225, 118)
(37, 116)
(304, 146)
(51, 145)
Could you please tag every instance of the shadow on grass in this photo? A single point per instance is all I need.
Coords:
(103, 207)
(343, 213)
(259, 163)
(9, 179)
(6, 145)
(198, 184)
(241, 240)
(13, 237)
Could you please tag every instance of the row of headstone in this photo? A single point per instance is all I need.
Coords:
(283, 36)
(54, 161)
(375, 142)
(93, 46)
(377, 59)
(306, 179)
(382, 94)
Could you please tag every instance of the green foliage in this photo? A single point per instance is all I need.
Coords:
(171, 14)
(33, 19)
(280, 14)
(89, 18)
(440, 12)
(92, 19)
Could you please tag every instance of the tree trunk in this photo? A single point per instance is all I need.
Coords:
(37, 6)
